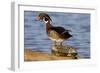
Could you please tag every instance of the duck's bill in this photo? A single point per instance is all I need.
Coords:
(37, 19)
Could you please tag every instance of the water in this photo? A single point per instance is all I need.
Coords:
(35, 36)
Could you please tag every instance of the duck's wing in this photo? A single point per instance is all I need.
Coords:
(59, 30)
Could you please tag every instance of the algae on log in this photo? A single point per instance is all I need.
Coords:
(65, 51)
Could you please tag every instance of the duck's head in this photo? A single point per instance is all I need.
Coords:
(44, 17)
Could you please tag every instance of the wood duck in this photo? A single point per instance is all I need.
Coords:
(56, 33)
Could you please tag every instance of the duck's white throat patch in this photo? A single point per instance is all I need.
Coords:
(45, 21)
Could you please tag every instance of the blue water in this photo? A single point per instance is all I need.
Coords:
(35, 36)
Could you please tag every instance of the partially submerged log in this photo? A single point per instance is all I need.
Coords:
(30, 55)
(64, 51)
(57, 53)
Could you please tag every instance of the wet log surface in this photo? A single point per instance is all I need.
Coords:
(57, 53)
